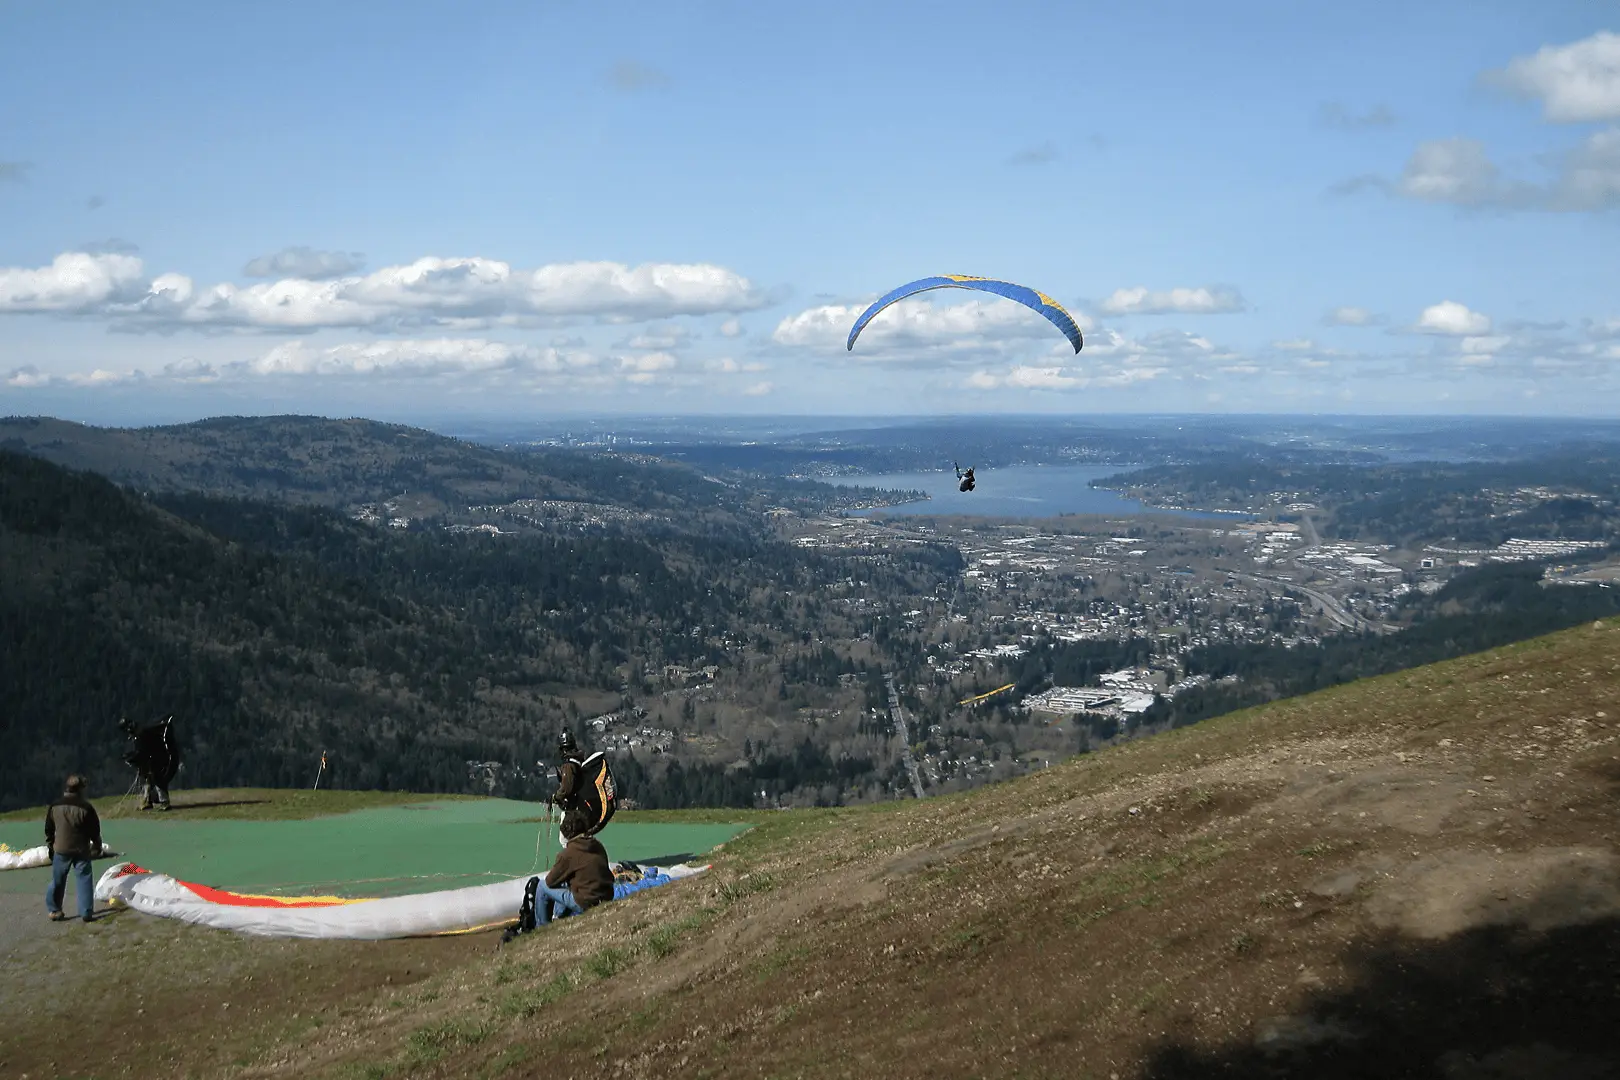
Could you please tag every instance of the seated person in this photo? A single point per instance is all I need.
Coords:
(579, 879)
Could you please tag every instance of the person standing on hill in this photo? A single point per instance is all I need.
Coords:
(567, 794)
(73, 835)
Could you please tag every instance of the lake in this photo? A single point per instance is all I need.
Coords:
(1015, 491)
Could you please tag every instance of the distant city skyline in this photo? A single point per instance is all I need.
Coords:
(421, 212)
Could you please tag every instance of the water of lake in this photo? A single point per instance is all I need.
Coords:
(1015, 491)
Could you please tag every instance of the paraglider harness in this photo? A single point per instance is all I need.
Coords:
(155, 756)
(966, 476)
(525, 921)
(595, 797)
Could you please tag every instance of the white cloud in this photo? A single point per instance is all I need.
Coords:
(1349, 316)
(304, 262)
(920, 324)
(662, 338)
(731, 328)
(759, 389)
(1589, 175)
(414, 358)
(1059, 377)
(76, 281)
(462, 293)
(647, 367)
(648, 363)
(1199, 301)
(1450, 317)
(1585, 178)
(1454, 170)
(1575, 83)
(27, 377)
(1484, 345)
(1294, 345)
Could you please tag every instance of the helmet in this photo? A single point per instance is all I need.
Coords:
(126, 726)
(565, 745)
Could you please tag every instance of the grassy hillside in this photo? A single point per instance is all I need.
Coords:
(1413, 875)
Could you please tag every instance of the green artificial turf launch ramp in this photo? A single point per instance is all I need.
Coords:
(408, 848)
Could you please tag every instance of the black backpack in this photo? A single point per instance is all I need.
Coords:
(597, 796)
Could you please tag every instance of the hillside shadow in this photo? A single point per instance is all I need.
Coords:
(1490, 1003)
(175, 808)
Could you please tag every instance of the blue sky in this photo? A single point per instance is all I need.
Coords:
(418, 210)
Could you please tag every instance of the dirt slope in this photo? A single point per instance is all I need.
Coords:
(1410, 876)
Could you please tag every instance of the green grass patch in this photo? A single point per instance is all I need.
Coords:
(428, 1044)
(664, 940)
(530, 1000)
(608, 962)
(746, 885)
(505, 1061)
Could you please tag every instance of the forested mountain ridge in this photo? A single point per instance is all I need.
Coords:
(346, 463)
(276, 632)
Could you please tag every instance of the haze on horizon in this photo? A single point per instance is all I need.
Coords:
(511, 211)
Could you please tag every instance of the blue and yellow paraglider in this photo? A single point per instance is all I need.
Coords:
(1030, 298)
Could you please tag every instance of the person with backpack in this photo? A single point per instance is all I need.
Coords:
(580, 878)
(585, 788)
(155, 753)
(567, 794)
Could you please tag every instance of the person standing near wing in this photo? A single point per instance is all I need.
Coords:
(73, 837)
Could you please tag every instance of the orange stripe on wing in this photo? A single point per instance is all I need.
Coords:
(234, 899)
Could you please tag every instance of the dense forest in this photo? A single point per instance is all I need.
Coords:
(275, 632)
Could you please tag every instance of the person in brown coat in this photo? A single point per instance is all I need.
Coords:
(579, 879)
(73, 835)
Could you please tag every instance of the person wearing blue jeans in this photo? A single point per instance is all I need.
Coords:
(73, 836)
(579, 879)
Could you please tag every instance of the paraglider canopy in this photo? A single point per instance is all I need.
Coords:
(1030, 298)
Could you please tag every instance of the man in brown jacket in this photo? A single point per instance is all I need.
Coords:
(579, 879)
(73, 835)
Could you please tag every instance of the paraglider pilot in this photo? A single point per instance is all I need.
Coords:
(966, 476)
(567, 794)
(156, 756)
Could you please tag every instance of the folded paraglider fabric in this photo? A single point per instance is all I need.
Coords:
(29, 858)
(452, 911)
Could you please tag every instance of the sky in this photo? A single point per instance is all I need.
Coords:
(423, 211)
